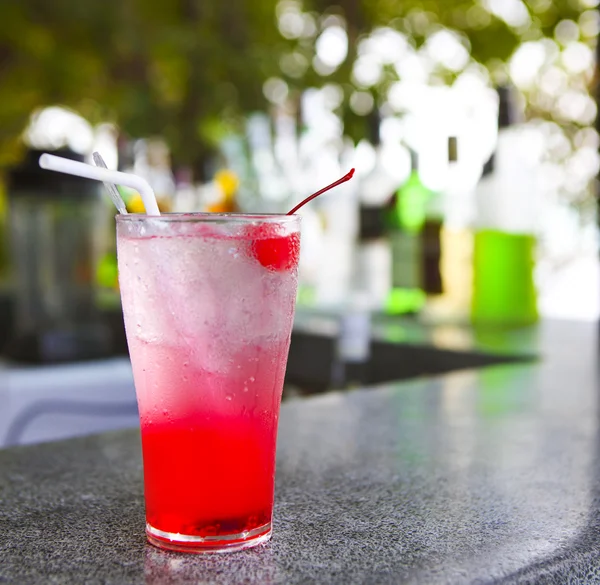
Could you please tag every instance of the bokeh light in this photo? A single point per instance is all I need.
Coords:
(446, 48)
(362, 102)
(57, 127)
(293, 64)
(566, 31)
(577, 58)
(589, 24)
(275, 90)
(290, 20)
(367, 71)
(513, 12)
(332, 46)
(526, 63)
(385, 45)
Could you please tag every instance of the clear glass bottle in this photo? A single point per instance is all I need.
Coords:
(373, 254)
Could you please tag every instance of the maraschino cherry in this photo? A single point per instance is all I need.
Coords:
(280, 253)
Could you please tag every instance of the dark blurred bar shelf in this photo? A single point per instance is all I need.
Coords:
(58, 401)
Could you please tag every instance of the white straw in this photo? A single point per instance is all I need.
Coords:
(79, 169)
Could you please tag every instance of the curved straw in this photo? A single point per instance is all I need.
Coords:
(79, 169)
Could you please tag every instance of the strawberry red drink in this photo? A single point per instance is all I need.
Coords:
(208, 302)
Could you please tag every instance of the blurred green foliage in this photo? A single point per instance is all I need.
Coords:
(154, 67)
(186, 69)
(491, 40)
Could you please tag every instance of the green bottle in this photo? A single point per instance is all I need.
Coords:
(504, 292)
(405, 219)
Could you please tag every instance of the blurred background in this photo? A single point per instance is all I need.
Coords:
(471, 125)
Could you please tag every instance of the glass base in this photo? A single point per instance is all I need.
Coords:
(208, 544)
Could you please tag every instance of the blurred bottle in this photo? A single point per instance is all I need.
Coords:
(431, 246)
(457, 240)
(237, 157)
(338, 216)
(406, 218)
(504, 291)
(373, 255)
(185, 199)
(107, 277)
(353, 347)
(271, 186)
(456, 246)
(153, 162)
(329, 223)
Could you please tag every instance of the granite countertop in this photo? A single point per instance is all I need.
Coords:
(487, 476)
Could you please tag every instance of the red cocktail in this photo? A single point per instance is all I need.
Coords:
(208, 302)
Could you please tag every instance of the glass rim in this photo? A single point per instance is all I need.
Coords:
(206, 216)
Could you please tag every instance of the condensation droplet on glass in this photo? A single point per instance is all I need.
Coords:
(229, 397)
(251, 378)
(245, 388)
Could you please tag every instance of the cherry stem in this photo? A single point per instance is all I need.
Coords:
(345, 178)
